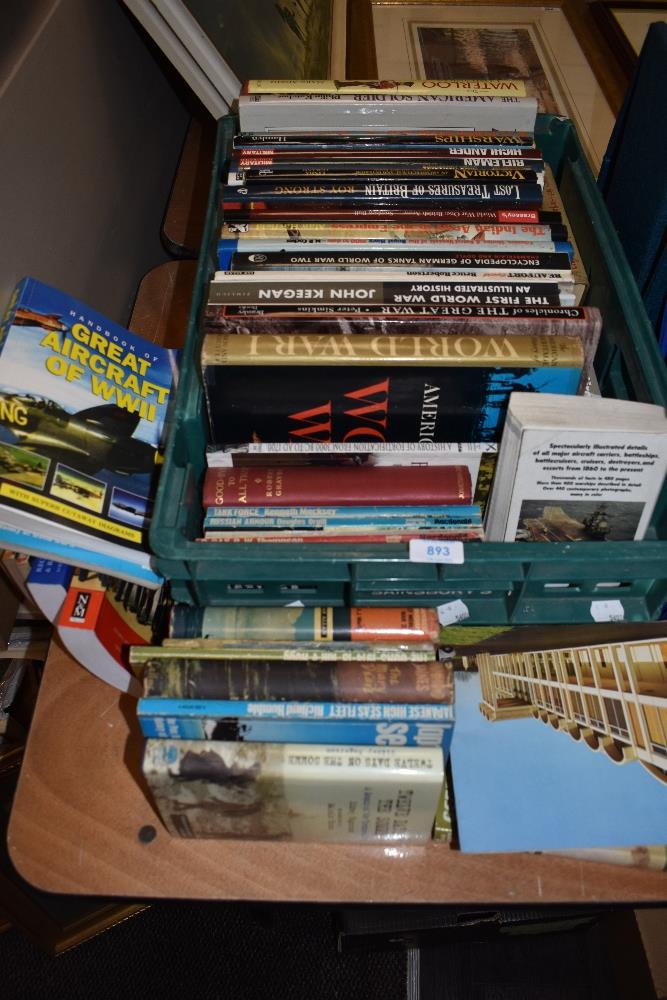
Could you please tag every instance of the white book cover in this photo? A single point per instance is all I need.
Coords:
(578, 469)
(285, 791)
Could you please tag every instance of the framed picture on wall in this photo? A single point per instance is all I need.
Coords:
(624, 26)
(553, 49)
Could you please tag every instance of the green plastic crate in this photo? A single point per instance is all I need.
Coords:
(521, 582)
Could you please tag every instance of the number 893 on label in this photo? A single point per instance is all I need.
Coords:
(424, 550)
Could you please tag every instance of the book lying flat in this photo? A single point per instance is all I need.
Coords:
(82, 411)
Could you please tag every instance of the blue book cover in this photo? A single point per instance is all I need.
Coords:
(395, 734)
(326, 711)
(389, 518)
(562, 748)
(48, 583)
(83, 404)
(138, 571)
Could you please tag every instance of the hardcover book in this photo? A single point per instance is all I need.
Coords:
(390, 288)
(275, 144)
(589, 470)
(399, 625)
(437, 389)
(364, 112)
(514, 88)
(155, 723)
(82, 410)
(294, 791)
(186, 677)
(353, 485)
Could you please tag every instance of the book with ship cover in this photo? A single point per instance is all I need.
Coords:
(562, 749)
(82, 410)
(589, 470)
(294, 791)
(385, 389)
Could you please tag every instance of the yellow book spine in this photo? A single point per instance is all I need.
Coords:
(513, 88)
(370, 349)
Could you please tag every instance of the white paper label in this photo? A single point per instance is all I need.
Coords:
(453, 611)
(295, 604)
(607, 611)
(424, 550)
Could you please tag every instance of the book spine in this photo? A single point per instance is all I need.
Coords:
(406, 172)
(226, 350)
(468, 213)
(189, 678)
(512, 88)
(285, 486)
(302, 650)
(288, 791)
(340, 732)
(468, 259)
(274, 143)
(326, 711)
(398, 537)
(228, 248)
(405, 291)
(382, 232)
(346, 515)
(423, 320)
(334, 111)
(306, 624)
(391, 194)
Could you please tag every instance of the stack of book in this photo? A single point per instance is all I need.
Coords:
(298, 723)
(388, 276)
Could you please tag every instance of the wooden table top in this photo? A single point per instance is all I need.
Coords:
(81, 804)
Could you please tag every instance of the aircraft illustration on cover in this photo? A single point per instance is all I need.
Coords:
(93, 439)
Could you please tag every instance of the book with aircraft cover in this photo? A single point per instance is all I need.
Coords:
(82, 411)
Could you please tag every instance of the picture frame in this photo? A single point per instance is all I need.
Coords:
(624, 25)
(580, 70)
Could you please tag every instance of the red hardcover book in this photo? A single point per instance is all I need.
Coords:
(284, 486)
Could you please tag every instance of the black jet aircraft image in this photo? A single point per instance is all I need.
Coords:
(90, 440)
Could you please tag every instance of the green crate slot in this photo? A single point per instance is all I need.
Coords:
(502, 583)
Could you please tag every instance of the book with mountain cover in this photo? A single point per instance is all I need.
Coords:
(294, 791)
(377, 388)
(82, 410)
